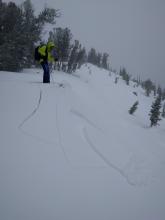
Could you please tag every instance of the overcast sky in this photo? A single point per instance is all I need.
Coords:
(131, 31)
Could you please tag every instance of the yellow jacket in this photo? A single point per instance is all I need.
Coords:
(45, 52)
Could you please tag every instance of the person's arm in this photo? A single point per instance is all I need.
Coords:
(42, 52)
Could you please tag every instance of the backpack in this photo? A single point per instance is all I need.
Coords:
(37, 56)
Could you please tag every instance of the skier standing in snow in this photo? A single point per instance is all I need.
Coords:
(46, 54)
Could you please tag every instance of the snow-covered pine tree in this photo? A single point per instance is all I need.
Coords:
(29, 33)
(62, 39)
(20, 29)
(99, 58)
(73, 57)
(147, 86)
(105, 61)
(116, 79)
(155, 111)
(138, 81)
(48, 15)
(133, 108)
(81, 57)
(159, 91)
(10, 35)
(92, 56)
(125, 76)
(154, 90)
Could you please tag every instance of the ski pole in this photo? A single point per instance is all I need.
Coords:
(51, 72)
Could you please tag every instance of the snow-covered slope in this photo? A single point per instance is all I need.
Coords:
(73, 152)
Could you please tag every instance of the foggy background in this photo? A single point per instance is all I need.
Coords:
(131, 31)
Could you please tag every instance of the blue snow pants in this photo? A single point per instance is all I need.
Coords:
(46, 74)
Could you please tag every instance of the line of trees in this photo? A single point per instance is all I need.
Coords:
(125, 76)
(98, 59)
(155, 112)
(72, 54)
(20, 32)
(149, 87)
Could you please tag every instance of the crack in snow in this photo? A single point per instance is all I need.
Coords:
(60, 137)
(80, 115)
(111, 165)
(33, 112)
(20, 127)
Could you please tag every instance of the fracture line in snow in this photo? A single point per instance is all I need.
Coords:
(20, 127)
(111, 165)
(59, 135)
(39, 139)
(80, 115)
(86, 136)
(33, 112)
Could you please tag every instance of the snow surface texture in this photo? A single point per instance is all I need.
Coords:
(69, 150)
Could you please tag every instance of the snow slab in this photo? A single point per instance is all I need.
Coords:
(73, 152)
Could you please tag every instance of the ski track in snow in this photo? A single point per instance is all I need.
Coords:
(124, 173)
(95, 149)
(33, 112)
(78, 114)
(83, 117)
(20, 127)
(111, 165)
(42, 140)
(60, 137)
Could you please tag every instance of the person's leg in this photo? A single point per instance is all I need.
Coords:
(46, 74)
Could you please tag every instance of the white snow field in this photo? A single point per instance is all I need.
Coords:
(73, 152)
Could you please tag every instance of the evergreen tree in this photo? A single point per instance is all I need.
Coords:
(67, 37)
(62, 39)
(155, 111)
(159, 91)
(10, 34)
(133, 108)
(72, 64)
(99, 59)
(163, 112)
(48, 15)
(148, 86)
(154, 90)
(20, 29)
(138, 81)
(92, 56)
(125, 76)
(116, 79)
(105, 61)
(30, 33)
(127, 79)
(81, 57)
(163, 94)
